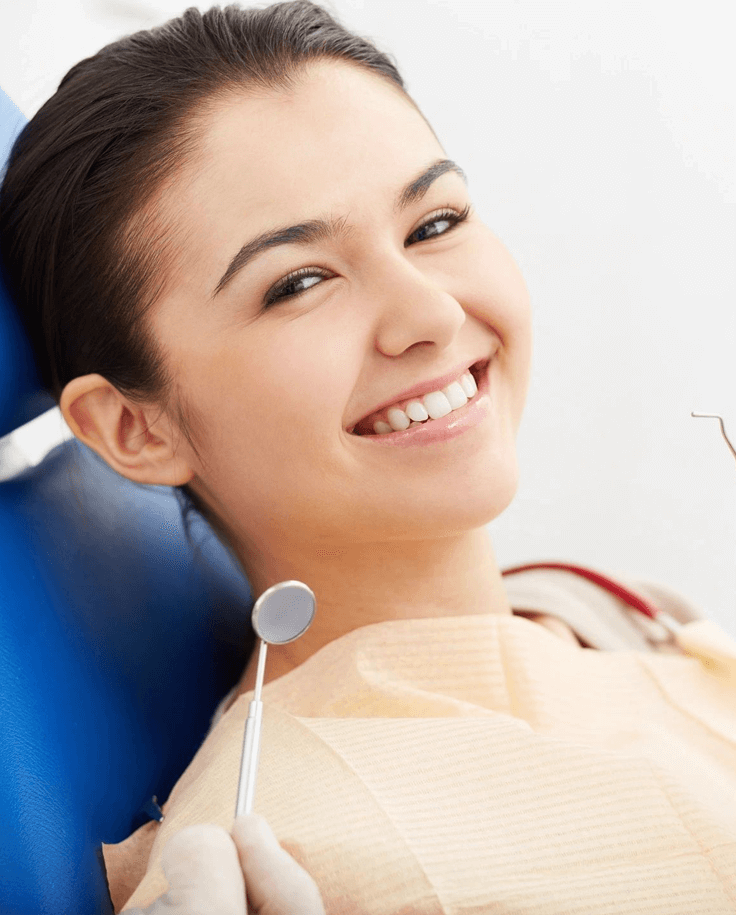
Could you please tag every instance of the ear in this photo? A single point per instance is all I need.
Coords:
(138, 441)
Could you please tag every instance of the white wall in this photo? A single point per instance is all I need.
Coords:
(599, 143)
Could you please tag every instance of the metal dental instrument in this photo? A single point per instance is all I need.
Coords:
(721, 423)
(280, 615)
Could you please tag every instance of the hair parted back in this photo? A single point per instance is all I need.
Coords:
(80, 262)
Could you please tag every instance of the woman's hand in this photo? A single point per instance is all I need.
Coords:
(210, 872)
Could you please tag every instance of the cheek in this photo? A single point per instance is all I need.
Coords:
(492, 287)
(265, 397)
(496, 294)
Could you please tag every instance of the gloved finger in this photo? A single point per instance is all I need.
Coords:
(276, 884)
(203, 869)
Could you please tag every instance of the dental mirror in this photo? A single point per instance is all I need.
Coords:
(281, 614)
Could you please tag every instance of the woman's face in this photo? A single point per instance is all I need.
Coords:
(276, 386)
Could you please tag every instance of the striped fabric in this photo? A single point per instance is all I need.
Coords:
(483, 764)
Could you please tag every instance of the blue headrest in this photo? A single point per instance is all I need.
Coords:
(21, 398)
(119, 633)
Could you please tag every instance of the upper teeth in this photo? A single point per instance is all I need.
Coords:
(433, 406)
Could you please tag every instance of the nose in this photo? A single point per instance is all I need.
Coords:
(412, 307)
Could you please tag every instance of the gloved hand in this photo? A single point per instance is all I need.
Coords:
(210, 872)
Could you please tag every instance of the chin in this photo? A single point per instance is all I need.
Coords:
(451, 511)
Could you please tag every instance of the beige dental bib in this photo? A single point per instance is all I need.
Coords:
(482, 764)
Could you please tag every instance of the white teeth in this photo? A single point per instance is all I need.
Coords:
(437, 404)
(416, 411)
(468, 383)
(456, 395)
(433, 406)
(398, 419)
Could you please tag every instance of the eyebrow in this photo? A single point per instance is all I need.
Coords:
(320, 230)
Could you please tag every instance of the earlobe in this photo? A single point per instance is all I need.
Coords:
(122, 433)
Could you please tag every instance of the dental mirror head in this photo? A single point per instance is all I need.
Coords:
(283, 612)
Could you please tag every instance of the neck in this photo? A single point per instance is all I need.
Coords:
(373, 582)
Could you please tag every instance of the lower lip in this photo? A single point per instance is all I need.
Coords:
(442, 430)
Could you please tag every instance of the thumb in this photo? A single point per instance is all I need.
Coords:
(204, 873)
(276, 884)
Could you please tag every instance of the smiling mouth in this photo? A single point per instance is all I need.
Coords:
(477, 370)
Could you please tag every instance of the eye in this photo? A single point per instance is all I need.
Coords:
(450, 217)
(279, 292)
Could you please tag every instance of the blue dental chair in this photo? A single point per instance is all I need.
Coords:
(120, 630)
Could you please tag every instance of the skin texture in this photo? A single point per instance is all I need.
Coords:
(377, 533)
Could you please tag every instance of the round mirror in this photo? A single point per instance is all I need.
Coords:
(283, 612)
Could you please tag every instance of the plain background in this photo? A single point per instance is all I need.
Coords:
(598, 139)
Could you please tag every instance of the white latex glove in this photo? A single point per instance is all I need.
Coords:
(210, 871)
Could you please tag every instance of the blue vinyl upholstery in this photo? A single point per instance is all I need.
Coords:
(20, 397)
(118, 636)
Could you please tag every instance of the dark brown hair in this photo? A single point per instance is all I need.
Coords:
(82, 261)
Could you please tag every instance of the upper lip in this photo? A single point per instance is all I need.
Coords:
(425, 387)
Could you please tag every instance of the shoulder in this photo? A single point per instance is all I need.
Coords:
(602, 609)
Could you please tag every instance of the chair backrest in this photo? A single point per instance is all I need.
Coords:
(119, 633)
(20, 397)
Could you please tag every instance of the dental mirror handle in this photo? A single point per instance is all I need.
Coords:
(249, 760)
(251, 743)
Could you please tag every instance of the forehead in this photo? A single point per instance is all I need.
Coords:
(343, 140)
(338, 117)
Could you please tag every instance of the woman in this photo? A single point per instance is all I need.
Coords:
(253, 273)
